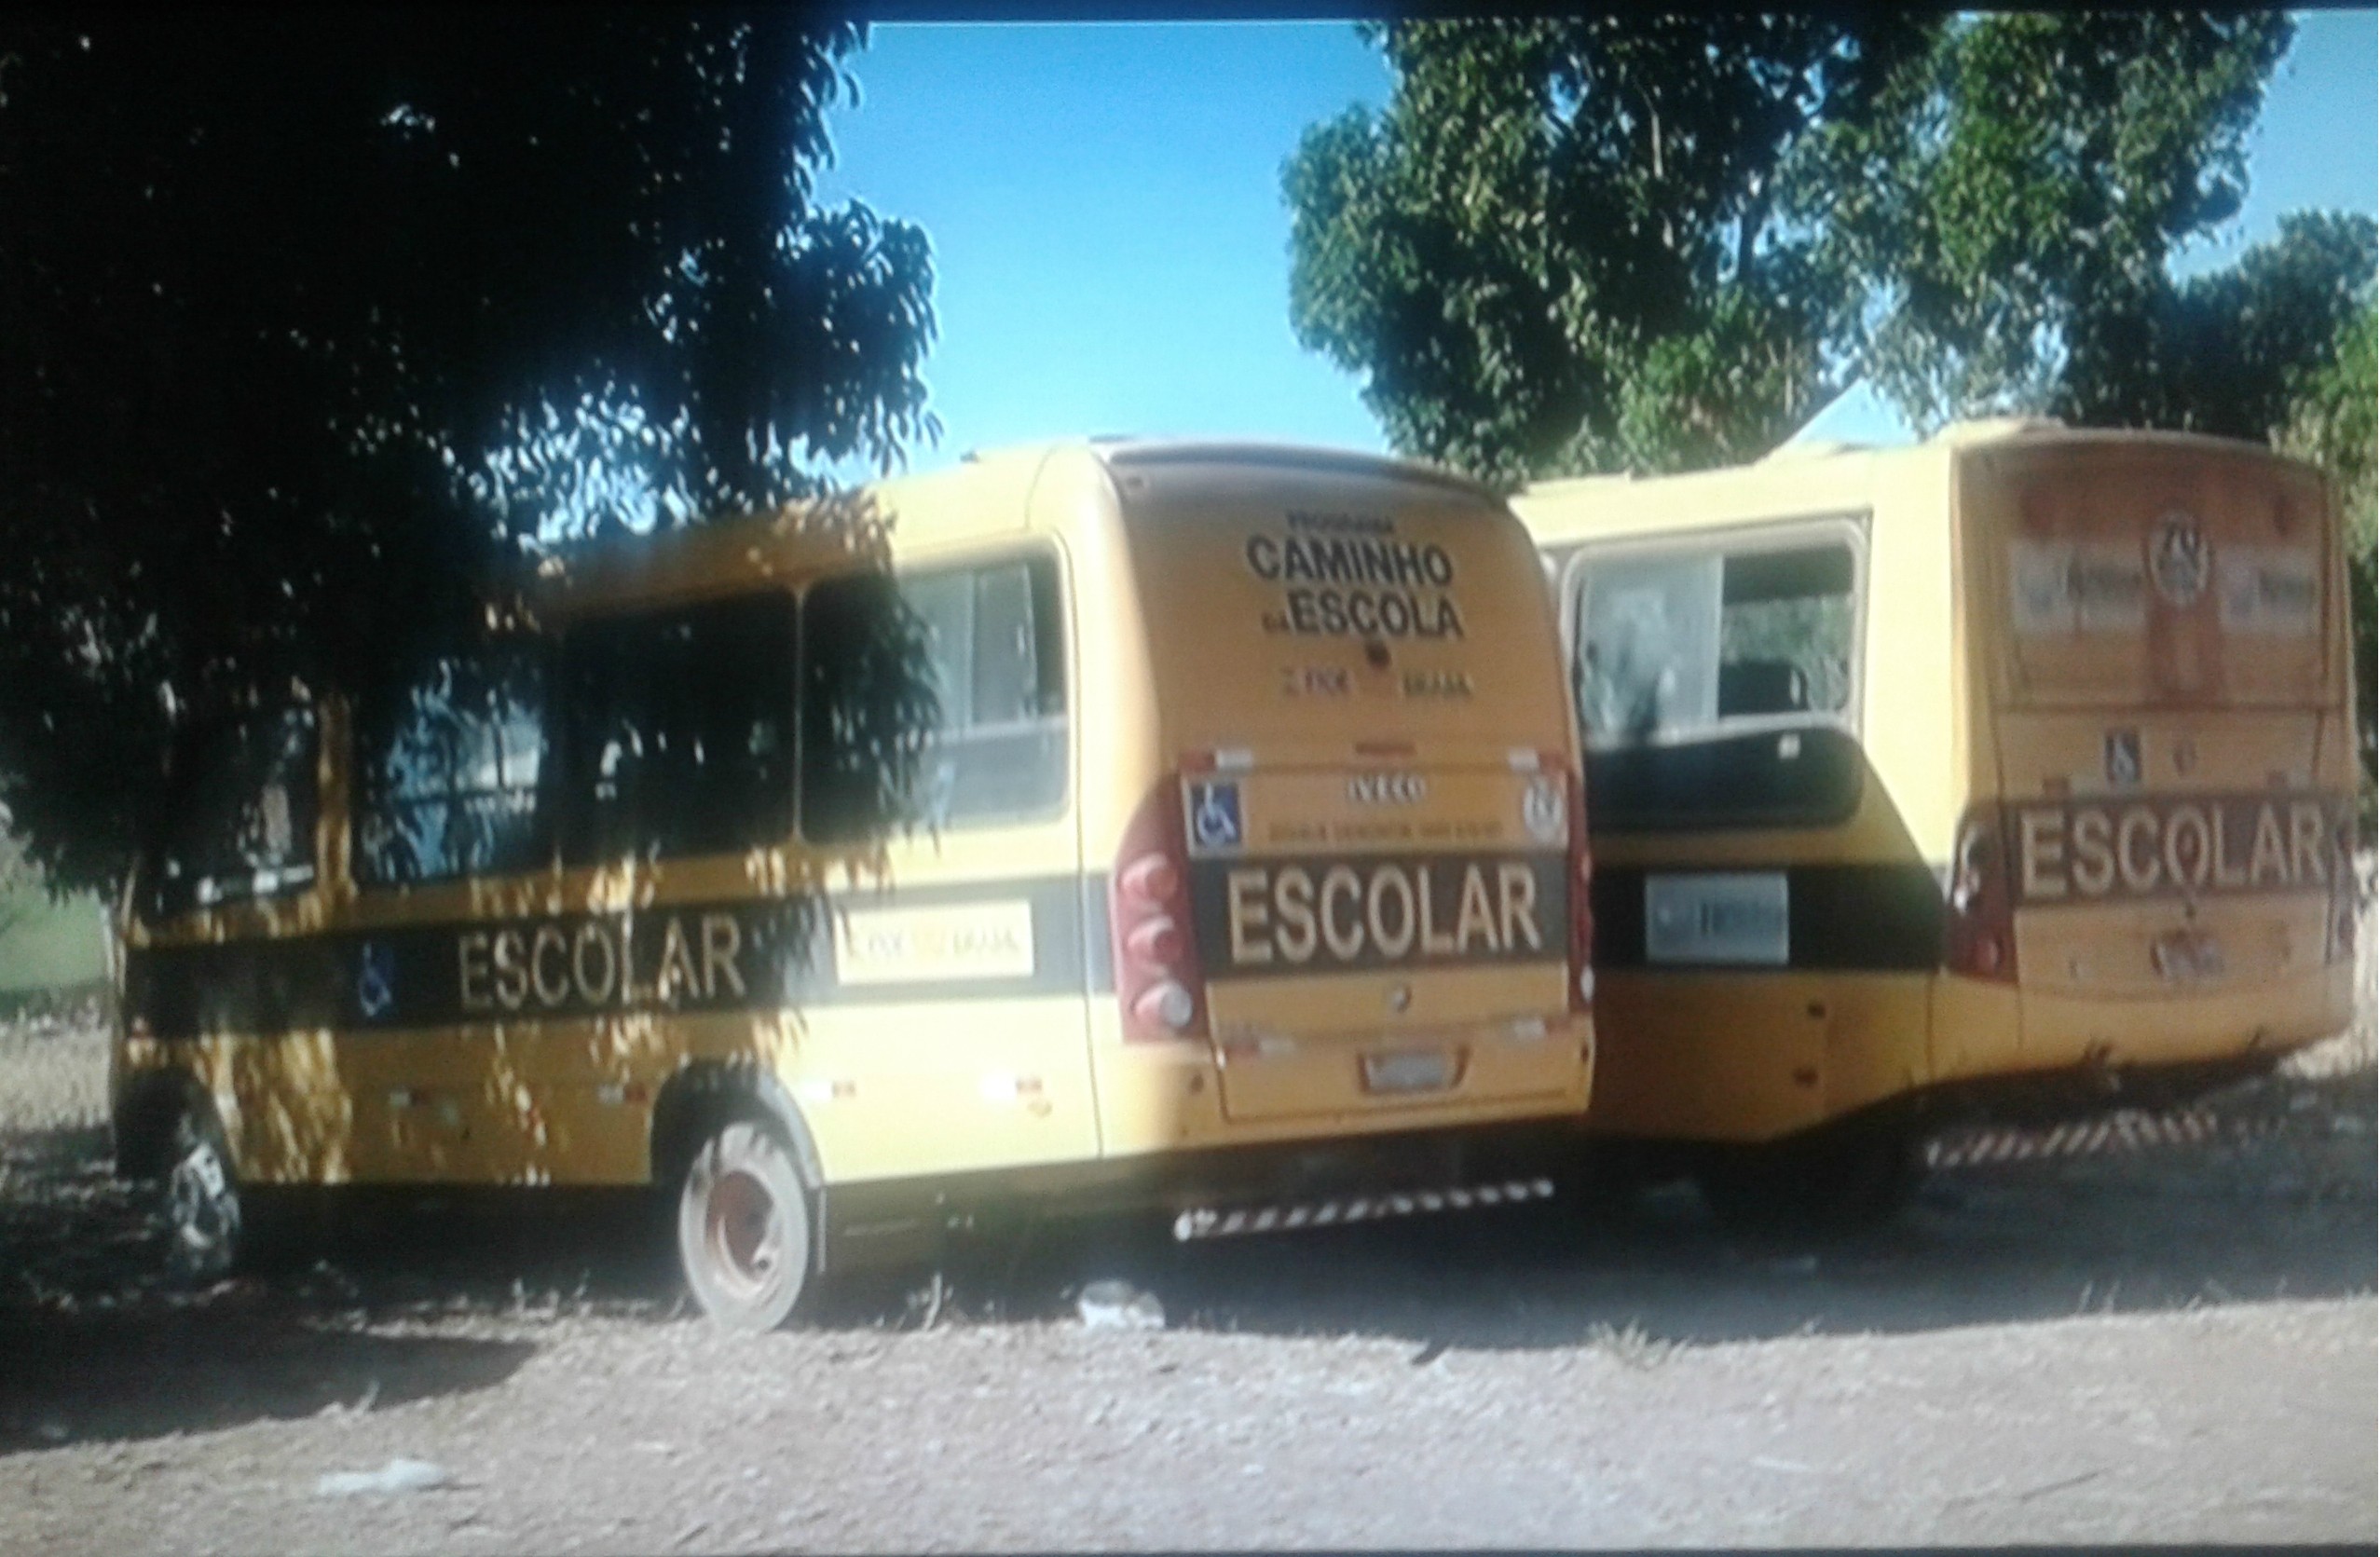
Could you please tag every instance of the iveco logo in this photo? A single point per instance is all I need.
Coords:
(1387, 789)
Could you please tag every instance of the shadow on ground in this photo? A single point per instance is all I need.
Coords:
(2287, 1213)
(144, 1372)
(91, 1344)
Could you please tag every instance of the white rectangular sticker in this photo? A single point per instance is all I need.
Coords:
(2110, 584)
(2058, 587)
(1717, 917)
(2040, 604)
(938, 945)
(2270, 591)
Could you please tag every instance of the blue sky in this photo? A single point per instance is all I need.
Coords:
(1111, 248)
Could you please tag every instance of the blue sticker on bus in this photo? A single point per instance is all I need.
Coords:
(1214, 815)
(375, 980)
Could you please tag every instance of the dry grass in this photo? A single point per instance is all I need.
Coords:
(52, 1077)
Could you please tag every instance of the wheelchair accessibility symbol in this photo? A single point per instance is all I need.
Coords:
(1214, 815)
(375, 980)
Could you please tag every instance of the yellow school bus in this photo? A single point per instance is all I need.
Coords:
(1240, 878)
(1997, 777)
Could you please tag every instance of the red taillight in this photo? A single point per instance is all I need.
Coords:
(1156, 942)
(1152, 880)
(1583, 913)
(1158, 979)
(1978, 936)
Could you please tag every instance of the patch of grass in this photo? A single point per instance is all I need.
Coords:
(47, 944)
(1630, 1346)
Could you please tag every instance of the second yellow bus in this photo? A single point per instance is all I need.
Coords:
(2000, 777)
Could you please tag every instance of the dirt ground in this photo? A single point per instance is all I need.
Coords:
(2169, 1344)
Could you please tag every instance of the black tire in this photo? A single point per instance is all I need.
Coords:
(745, 1242)
(1830, 1181)
(206, 1225)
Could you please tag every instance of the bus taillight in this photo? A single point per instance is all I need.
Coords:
(1157, 978)
(1978, 925)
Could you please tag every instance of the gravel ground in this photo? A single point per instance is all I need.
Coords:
(2174, 1345)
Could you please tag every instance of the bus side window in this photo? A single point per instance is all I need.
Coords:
(678, 731)
(1785, 632)
(1714, 682)
(992, 646)
(449, 762)
(242, 812)
(1648, 645)
(1006, 754)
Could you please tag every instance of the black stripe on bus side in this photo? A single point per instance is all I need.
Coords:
(739, 955)
(1867, 918)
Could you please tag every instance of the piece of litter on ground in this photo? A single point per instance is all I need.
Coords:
(399, 1475)
(1767, 1462)
(1119, 1306)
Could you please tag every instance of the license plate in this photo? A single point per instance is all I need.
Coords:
(2187, 956)
(1412, 1071)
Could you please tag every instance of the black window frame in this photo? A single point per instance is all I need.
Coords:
(160, 898)
(581, 838)
(539, 650)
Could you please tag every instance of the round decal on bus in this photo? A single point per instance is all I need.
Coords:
(2179, 558)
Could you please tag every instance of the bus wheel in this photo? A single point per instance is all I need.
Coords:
(744, 1233)
(203, 1208)
(1836, 1179)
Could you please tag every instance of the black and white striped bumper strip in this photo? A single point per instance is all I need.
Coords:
(1210, 1222)
(2128, 1131)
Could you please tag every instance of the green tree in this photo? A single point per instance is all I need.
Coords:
(2331, 422)
(1664, 243)
(1566, 243)
(310, 326)
(2230, 353)
(2009, 223)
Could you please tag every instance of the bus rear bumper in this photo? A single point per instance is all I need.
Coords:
(2191, 1028)
(1218, 1192)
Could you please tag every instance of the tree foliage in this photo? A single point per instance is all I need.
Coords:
(1568, 244)
(2331, 422)
(307, 323)
(1664, 242)
(2010, 219)
(2230, 353)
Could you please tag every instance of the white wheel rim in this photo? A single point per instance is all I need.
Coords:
(744, 1233)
